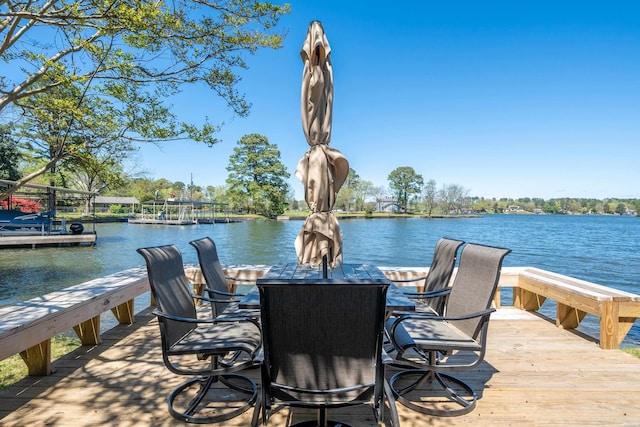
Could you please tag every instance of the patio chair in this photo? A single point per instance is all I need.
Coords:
(436, 282)
(222, 300)
(221, 346)
(428, 345)
(322, 346)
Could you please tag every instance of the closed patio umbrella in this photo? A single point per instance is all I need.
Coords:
(322, 169)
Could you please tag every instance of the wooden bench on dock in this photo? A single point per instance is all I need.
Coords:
(617, 310)
(575, 298)
(28, 326)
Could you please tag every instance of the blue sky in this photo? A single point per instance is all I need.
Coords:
(505, 98)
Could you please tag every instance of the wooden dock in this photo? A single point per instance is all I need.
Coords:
(149, 221)
(34, 241)
(533, 374)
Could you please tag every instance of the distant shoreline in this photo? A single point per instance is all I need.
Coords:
(303, 216)
(348, 216)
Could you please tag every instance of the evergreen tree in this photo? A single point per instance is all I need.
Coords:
(257, 178)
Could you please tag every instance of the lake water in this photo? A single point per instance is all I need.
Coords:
(600, 249)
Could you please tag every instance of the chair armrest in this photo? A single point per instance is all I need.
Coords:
(400, 313)
(469, 316)
(407, 316)
(226, 319)
(240, 281)
(414, 315)
(429, 294)
(175, 318)
(386, 359)
(415, 279)
(214, 300)
(259, 356)
(224, 293)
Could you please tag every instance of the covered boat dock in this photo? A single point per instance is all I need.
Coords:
(180, 212)
(48, 228)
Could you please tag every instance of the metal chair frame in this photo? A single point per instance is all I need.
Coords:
(303, 364)
(229, 343)
(222, 300)
(426, 343)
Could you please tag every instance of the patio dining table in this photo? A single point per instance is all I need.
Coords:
(396, 299)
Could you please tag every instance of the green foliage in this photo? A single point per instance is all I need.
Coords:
(430, 196)
(404, 181)
(118, 209)
(257, 177)
(9, 155)
(348, 195)
(108, 77)
(634, 351)
(621, 209)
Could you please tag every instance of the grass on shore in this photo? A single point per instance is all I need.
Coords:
(14, 369)
(634, 351)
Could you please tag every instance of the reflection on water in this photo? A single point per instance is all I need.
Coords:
(604, 250)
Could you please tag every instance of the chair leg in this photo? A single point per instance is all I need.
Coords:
(235, 382)
(393, 410)
(322, 417)
(455, 390)
(321, 421)
(256, 412)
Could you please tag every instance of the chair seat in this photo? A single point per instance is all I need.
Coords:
(431, 334)
(219, 338)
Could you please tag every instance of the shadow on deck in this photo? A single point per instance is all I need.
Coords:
(533, 374)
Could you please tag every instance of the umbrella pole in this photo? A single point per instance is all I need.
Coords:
(325, 263)
(324, 267)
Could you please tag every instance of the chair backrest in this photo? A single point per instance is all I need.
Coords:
(323, 335)
(212, 271)
(170, 288)
(442, 265)
(475, 284)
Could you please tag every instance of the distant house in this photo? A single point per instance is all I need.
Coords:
(102, 203)
(513, 208)
(389, 205)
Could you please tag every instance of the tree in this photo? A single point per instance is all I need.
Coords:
(257, 177)
(122, 62)
(621, 209)
(145, 189)
(453, 198)
(430, 196)
(93, 173)
(365, 190)
(348, 193)
(9, 155)
(218, 193)
(378, 193)
(405, 182)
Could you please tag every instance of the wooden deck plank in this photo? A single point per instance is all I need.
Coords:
(534, 375)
